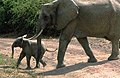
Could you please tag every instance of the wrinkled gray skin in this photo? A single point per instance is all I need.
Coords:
(29, 48)
(100, 18)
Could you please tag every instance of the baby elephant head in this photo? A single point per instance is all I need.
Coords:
(17, 43)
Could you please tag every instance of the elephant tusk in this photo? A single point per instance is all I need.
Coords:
(33, 37)
(38, 34)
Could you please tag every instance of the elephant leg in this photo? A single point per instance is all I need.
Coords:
(63, 43)
(28, 57)
(38, 52)
(41, 61)
(65, 38)
(115, 50)
(37, 65)
(22, 55)
(61, 52)
(88, 51)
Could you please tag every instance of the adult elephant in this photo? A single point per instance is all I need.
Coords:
(100, 18)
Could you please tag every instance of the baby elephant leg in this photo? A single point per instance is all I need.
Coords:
(28, 57)
(37, 65)
(22, 55)
(41, 61)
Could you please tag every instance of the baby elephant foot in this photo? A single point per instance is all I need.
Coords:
(92, 60)
(37, 66)
(113, 58)
(60, 66)
(28, 68)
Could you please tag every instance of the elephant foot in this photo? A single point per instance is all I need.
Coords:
(28, 68)
(92, 60)
(37, 66)
(60, 66)
(113, 58)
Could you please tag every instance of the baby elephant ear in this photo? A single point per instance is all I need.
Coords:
(67, 11)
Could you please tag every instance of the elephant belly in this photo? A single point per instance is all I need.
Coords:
(93, 29)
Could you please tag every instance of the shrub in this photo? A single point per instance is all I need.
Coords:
(19, 16)
(2, 16)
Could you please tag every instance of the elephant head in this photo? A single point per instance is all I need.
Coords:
(17, 43)
(58, 14)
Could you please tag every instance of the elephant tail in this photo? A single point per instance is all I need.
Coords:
(51, 50)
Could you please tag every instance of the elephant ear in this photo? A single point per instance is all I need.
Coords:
(67, 11)
(21, 40)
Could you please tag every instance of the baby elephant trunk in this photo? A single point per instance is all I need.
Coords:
(12, 51)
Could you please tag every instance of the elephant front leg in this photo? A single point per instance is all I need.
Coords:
(38, 52)
(85, 45)
(61, 52)
(63, 43)
(65, 37)
(115, 50)
(22, 55)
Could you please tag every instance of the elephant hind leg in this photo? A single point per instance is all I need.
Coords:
(28, 57)
(37, 65)
(88, 51)
(115, 50)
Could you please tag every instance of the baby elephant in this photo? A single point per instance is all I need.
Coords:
(29, 48)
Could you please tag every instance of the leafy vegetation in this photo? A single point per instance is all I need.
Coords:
(20, 16)
(8, 69)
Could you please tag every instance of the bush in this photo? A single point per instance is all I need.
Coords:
(19, 16)
(2, 16)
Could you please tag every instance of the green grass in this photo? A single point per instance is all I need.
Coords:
(1, 59)
(8, 69)
(4, 60)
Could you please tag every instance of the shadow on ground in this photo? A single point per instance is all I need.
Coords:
(6, 66)
(71, 68)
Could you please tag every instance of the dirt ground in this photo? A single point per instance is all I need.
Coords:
(75, 60)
